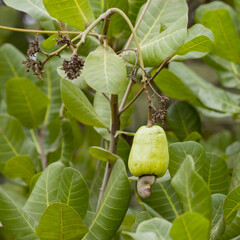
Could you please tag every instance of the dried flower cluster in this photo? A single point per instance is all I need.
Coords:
(160, 114)
(63, 40)
(73, 67)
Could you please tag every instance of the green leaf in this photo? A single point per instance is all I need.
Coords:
(190, 226)
(105, 71)
(211, 96)
(73, 191)
(34, 8)
(153, 229)
(133, 9)
(51, 87)
(94, 189)
(13, 142)
(216, 173)
(231, 205)
(194, 136)
(11, 65)
(60, 221)
(123, 149)
(15, 219)
(20, 166)
(78, 105)
(225, 35)
(215, 5)
(114, 205)
(198, 43)
(217, 225)
(162, 31)
(140, 217)
(45, 191)
(183, 119)
(164, 200)
(76, 13)
(232, 230)
(97, 7)
(236, 174)
(174, 87)
(192, 189)
(178, 152)
(67, 142)
(26, 102)
(102, 154)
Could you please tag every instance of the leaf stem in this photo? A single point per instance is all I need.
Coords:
(34, 138)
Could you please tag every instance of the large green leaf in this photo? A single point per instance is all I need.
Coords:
(73, 191)
(114, 205)
(20, 166)
(236, 174)
(98, 7)
(78, 104)
(105, 71)
(45, 191)
(232, 230)
(164, 200)
(134, 7)
(51, 87)
(152, 229)
(15, 219)
(162, 31)
(198, 43)
(190, 226)
(26, 102)
(183, 119)
(178, 152)
(231, 205)
(215, 5)
(67, 147)
(11, 65)
(94, 189)
(60, 221)
(225, 35)
(77, 13)
(34, 8)
(102, 154)
(13, 142)
(217, 225)
(173, 87)
(192, 189)
(216, 173)
(211, 96)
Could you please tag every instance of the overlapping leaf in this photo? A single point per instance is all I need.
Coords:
(78, 104)
(102, 154)
(45, 191)
(178, 152)
(76, 13)
(152, 229)
(211, 96)
(15, 219)
(34, 8)
(26, 102)
(164, 200)
(192, 189)
(183, 119)
(73, 191)
(104, 71)
(236, 174)
(190, 226)
(216, 173)
(162, 31)
(225, 35)
(231, 205)
(13, 142)
(217, 225)
(114, 205)
(198, 43)
(20, 166)
(60, 221)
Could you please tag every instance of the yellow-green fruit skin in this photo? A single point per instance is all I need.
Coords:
(149, 153)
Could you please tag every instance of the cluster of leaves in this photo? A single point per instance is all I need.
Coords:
(55, 183)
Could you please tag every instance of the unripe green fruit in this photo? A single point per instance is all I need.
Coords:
(149, 152)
